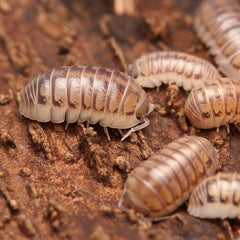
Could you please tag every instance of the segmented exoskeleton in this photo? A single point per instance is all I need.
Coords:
(213, 103)
(84, 93)
(217, 23)
(217, 196)
(186, 70)
(163, 182)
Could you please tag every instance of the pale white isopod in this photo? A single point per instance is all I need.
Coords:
(217, 196)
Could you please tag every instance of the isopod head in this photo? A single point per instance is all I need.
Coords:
(134, 111)
(139, 69)
(193, 112)
(144, 109)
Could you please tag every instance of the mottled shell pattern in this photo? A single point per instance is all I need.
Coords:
(217, 196)
(213, 103)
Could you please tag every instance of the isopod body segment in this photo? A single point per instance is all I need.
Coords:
(213, 103)
(217, 24)
(84, 93)
(217, 196)
(163, 182)
(186, 70)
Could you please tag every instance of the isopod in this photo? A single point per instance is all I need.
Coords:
(186, 70)
(214, 103)
(163, 182)
(217, 196)
(84, 93)
(217, 23)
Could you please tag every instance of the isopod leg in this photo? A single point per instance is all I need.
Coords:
(66, 125)
(228, 129)
(120, 131)
(159, 219)
(107, 133)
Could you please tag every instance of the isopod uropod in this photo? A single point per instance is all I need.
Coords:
(213, 103)
(84, 93)
(163, 182)
(217, 196)
(217, 24)
(153, 69)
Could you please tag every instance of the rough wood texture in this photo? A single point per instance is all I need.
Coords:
(65, 184)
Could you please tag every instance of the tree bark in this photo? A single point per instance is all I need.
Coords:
(65, 184)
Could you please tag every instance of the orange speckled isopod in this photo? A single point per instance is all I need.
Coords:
(84, 93)
(217, 196)
(186, 70)
(214, 103)
(163, 182)
(217, 23)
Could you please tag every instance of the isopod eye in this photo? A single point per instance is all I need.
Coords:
(138, 117)
(135, 76)
(133, 70)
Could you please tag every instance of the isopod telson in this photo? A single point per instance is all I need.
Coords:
(186, 70)
(217, 196)
(213, 103)
(163, 182)
(84, 93)
(217, 24)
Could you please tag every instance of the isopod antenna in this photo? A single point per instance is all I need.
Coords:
(137, 128)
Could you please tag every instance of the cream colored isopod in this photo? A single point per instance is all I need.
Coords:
(217, 24)
(186, 70)
(85, 93)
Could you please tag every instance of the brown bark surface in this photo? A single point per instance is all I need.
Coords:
(65, 184)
